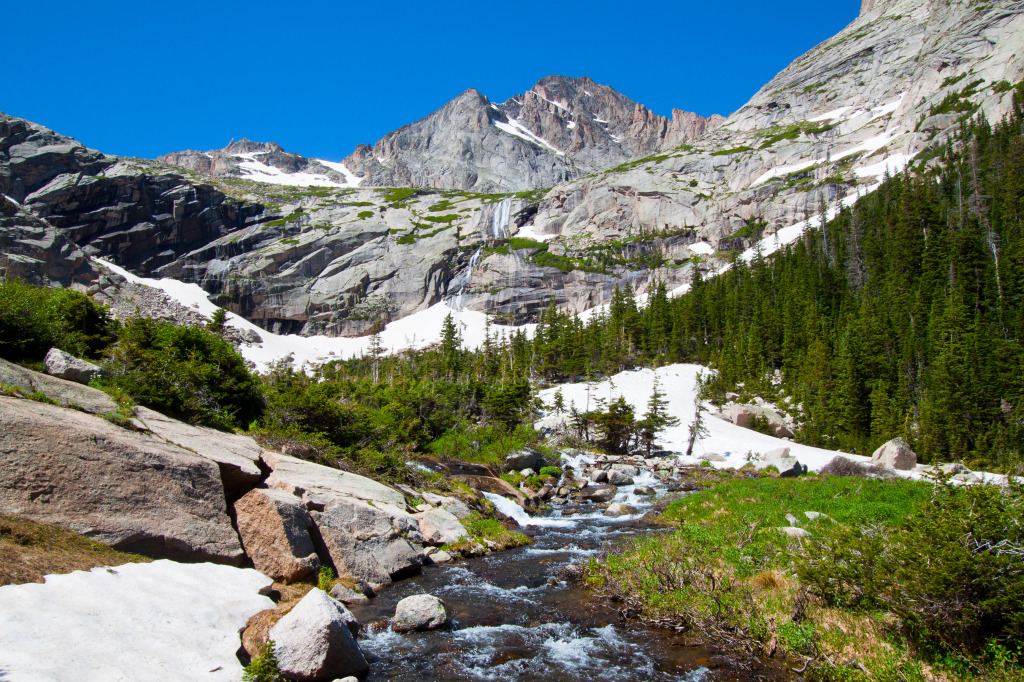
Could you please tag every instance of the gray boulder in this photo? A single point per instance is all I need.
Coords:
(598, 475)
(346, 595)
(643, 491)
(61, 391)
(419, 612)
(618, 509)
(896, 454)
(314, 641)
(440, 527)
(527, 458)
(712, 457)
(599, 494)
(318, 484)
(274, 528)
(619, 478)
(65, 366)
(119, 487)
(627, 469)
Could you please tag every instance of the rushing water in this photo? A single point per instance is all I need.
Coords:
(511, 618)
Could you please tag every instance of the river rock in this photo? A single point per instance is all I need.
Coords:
(119, 487)
(66, 366)
(599, 494)
(616, 477)
(896, 454)
(419, 612)
(438, 556)
(643, 491)
(346, 595)
(598, 475)
(274, 527)
(440, 527)
(627, 469)
(61, 391)
(618, 509)
(314, 641)
(527, 458)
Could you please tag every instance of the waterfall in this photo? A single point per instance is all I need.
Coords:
(499, 219)
(513, 510)
(462, 282)
(474, 260)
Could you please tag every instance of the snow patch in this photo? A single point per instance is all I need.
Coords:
(514, 127)
(351, 179)
(703, 248)
(258, 171)
(158, 621)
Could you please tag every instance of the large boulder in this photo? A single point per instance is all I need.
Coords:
(741, 415)
(66, 366)
(896, 454)
(119, 487)
(598, 494)
(527, 458)
(440, 527)
(319, 484)
(368, 543)
(237, 456)
(61, 391)
(419, 612)
(495, 486)
(314, 642)
(616, 477)
(274, 527)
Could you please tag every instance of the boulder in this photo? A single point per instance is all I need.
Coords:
(793, 531)
(599, 494)
(598, 475)
(313, 641)
(741, 414)
(439, 556)
(119, 487)
(274, 527)
(65, 366)
(618, 509)
(797, 469)
(450, 504)
(440, 527)
(346, 595)
(711, 457)
(368, 543)
(627, 469)
(527, 458)
(419, 612)
(896, 454)
(496, 486)
(318, 484)
(61, 391)
(237, 456)
(643, 491)
(616, 477)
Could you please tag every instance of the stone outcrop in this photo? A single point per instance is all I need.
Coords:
(66, 366)
(440, 527)
(895, 454)
(124, 489)
(61, 391)
(369, 543)
(419, 612)
(320, 485)
(313, 641)
(274, 527)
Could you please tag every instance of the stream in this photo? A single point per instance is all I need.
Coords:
(512, 618)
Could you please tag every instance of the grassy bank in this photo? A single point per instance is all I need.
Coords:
(883, 580)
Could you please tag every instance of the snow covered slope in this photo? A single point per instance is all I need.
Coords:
(156, 621)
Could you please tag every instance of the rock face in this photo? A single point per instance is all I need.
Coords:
(419, 612)
(65, 366)
(274, 527)
(896, 454)
(319, 484)
(368, 543)
(61, 391)
(313, 641)
(124, 489)
(440, 527)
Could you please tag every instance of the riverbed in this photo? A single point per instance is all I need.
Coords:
(512, 617)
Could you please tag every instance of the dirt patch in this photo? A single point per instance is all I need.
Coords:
(30, 550)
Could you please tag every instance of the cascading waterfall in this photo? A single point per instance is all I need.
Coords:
(463, 281)
(500, 218)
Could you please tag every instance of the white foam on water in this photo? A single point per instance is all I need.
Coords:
(513, 510)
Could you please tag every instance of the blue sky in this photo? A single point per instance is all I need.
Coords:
(146, 78)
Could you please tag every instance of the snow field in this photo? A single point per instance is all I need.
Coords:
(179, 622)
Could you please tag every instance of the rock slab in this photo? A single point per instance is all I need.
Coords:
(274, 527)
(314, 641)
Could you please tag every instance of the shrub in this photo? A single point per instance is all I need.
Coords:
(35, 319)
(550, 471)
(264, 668)
(325, 580)
(185, 372)
(953, 572)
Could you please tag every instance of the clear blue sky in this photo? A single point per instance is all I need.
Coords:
(146, 78)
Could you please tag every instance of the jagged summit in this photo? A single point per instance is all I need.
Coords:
(560, 129)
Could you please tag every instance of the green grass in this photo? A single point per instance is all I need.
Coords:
(734, 150)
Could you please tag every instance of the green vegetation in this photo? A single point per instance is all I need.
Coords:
(485, 532)
(363, 215)
(33, 320)
(406, 239)
(734, 150)
(185, 372)
(904, 576)
(264, 668)
(793, 131)
(399, 194)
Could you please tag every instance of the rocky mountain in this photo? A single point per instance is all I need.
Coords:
(340, 260)
(556, 131)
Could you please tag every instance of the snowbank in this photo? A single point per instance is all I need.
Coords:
(157, 621)
(679, 384)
